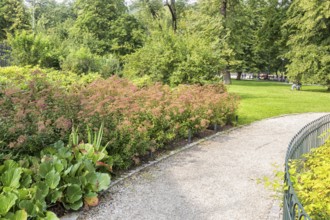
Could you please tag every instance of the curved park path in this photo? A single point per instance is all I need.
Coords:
(215, 179)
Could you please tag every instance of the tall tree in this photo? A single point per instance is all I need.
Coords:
(270, 40)
(13, 17)
(309, 41)
(97, 17)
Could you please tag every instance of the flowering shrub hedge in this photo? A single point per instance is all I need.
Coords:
(37, 116)
(143, 119)
(136, 120)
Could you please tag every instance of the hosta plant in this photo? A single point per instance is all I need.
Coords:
(68, 175)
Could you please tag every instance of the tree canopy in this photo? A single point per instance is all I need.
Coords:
(309, 42)
(172, 41)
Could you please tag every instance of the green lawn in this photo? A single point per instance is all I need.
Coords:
(264, 99)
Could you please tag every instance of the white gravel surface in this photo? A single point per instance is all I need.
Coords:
(216, 179)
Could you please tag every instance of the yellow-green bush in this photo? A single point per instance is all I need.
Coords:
(311, 180)
(19, 76)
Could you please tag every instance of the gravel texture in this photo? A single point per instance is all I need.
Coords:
(215, 179)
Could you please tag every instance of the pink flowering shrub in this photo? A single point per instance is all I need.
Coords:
(143, 119)
(136, 120)
(39, 115)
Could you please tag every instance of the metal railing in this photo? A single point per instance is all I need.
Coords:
(310, 136)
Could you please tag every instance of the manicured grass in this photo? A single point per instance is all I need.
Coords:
(264, 99)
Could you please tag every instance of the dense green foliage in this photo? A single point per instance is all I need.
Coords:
(309, 50)
(311, 179)
(59, 174)
(210, 40)
(13, 17)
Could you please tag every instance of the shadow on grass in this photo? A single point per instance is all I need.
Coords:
(316, 90)
(259, 83)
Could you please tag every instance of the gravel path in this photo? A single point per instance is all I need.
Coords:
(216, 179)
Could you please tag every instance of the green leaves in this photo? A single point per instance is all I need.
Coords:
(11, 177)
(52, 179)
(311, 180)
(308, 25)
(73, 197)
(28, 206)
(103, 181)
(73, 193)
(7, 201)
(19, 215)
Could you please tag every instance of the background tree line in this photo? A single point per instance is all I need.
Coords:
(172, 42)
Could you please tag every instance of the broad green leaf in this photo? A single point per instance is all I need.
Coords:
(11, 177)
(72, 180)
(26, 180)
(73, 193)
(25, 193)
(51, 216)
(28, 206)
(64, 153)
(59, 167)
(74, 206)
(89, 166)
(45, 168)
(7, 201)
(103, 181)
(91, 178)
(54, 196)
(42, 190)
(9, 164)
(19, 215)
(75, 168)
(52, 179)
(67, 171)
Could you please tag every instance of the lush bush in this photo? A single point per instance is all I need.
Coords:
(142, 119)
(175, 58)
(20, 77)
(66, 175)
(83, 61)
(36, 116)
(311, 180)
(137, 120)
(31, 49)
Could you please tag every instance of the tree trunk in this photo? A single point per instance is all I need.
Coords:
(239, 74)
(226, 77)
(171, 7)
(223, 12)
(223, 9)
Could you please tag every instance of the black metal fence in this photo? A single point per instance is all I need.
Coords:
(311, 136)
(4, 55)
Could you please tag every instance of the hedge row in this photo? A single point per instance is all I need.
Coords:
(136, 120)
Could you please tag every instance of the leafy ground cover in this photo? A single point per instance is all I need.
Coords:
(311, 179)
(264, 99)
(45, 163)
